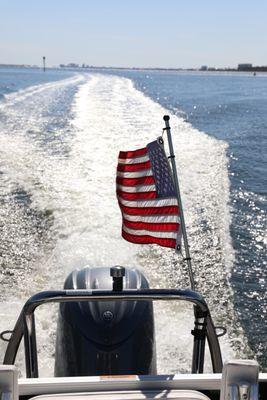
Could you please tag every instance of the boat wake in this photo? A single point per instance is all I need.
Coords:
(59, 147)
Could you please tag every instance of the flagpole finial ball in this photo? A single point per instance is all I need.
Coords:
(166, 117)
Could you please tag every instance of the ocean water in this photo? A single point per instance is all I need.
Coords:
(60, 133)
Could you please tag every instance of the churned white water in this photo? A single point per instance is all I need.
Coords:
(59, 144)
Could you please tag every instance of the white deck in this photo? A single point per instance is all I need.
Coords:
(112, 387)
(38, 386)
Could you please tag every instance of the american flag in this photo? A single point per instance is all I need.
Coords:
(147, 197)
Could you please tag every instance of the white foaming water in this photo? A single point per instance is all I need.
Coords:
(13, 98)
(75, 194)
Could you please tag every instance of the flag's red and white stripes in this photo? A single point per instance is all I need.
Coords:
(146, 217)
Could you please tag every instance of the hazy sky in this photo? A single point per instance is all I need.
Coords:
(156, 33)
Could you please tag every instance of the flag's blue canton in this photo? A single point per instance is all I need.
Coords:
(161, 170)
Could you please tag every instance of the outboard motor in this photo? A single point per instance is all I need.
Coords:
(105, 337)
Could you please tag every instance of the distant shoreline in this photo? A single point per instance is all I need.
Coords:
(92, 67)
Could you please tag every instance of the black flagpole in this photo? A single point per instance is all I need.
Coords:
(176, 183)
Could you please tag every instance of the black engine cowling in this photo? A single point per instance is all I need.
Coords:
(105, 337)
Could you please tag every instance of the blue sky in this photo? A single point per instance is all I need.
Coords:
(146, 33)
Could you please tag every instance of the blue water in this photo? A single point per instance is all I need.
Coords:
(14, 79)
(233, 108)
(229, 107)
